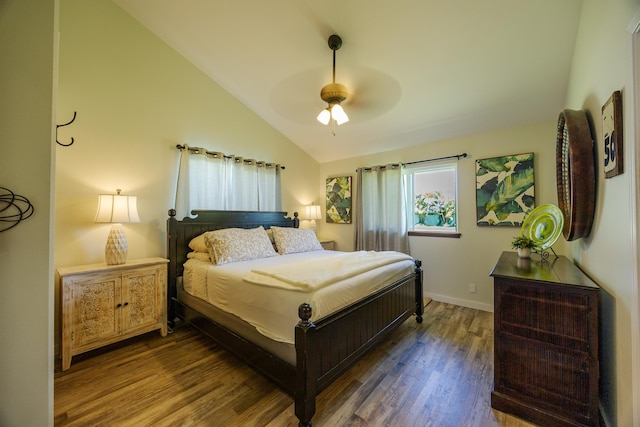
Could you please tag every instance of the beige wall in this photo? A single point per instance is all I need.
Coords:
(450, 265)
(603, 64)
(27, 29)
(136, 98)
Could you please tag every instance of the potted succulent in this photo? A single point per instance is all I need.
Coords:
(524, 245)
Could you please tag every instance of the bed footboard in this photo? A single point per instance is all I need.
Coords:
(326, 349)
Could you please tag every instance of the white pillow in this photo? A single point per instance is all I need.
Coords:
(293, 240)
(198, 244)
(200, 256)
(238, 244)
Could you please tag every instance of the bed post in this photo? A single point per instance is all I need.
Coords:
(419, 291)
(172, 253)
(305, 388)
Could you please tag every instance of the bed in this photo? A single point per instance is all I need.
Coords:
(320, 348)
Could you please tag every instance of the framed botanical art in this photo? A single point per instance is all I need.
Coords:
(505, 190)
(339, 200)
(612, 135)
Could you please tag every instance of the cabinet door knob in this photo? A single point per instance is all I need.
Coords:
(119, 305)
(126, 303)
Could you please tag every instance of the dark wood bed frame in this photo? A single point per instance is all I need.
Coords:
(324, 349)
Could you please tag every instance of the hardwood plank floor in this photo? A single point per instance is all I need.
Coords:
(437, 373)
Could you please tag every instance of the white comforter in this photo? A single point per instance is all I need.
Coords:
(312, 274)
(273, 310)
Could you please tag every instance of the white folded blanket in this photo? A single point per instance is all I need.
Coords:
(310, 275)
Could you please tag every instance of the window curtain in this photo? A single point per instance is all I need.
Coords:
(380, 219)
(212, 180)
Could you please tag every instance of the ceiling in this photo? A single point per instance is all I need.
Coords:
(417, 71)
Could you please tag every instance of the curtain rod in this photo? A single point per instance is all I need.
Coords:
(215, 154)
(457, 156)
(394, 165)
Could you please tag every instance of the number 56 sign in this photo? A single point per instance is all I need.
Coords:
(612, 135)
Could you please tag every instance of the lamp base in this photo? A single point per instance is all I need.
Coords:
(115, 252)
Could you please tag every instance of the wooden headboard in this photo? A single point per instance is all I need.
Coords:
(180, 233)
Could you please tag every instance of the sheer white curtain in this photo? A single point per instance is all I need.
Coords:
(380, 220)
(211, 180)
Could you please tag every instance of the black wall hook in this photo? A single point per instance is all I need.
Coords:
(66, 124)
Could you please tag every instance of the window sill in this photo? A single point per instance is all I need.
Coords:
(435, 234)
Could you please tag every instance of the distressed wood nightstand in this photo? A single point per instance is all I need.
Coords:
(329, 245)
(103, 304)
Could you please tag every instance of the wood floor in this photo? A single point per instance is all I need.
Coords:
(437, 373)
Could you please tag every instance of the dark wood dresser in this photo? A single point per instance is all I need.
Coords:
(546, 365)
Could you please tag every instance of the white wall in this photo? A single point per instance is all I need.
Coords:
(450, 265)
(602, 64)
(27, 29)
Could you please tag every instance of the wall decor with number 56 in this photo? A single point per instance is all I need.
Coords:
(612, 135)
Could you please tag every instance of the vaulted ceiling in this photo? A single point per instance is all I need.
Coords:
(417, 71)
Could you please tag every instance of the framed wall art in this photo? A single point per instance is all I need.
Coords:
(339, 200)
(505, 190)
(612, 135)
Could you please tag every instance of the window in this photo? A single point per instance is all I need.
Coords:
(212, 180)
(432, 193)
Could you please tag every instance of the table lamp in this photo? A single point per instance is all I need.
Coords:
(116, 209)
(312, 212)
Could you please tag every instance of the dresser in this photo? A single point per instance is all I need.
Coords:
(102, 304)
(546, 366)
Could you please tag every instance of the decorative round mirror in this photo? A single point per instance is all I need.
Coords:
(575, 173)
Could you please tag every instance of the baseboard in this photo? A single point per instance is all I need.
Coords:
(461, 302)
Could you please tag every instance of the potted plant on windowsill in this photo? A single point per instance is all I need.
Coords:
(524, 245)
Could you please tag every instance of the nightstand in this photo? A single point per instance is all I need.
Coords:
(103, 304)
(328, 245)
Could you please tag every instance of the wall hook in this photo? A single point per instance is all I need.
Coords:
(66, 124)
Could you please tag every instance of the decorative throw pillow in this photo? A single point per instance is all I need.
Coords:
(292, 240)
(238, 244)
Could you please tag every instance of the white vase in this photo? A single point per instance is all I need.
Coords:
(524, 252)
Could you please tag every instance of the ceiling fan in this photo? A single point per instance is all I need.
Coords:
(333, 93)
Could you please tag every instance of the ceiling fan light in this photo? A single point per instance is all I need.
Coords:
(338, 114)
(324, 116)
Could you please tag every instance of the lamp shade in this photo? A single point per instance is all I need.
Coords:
(115, 208)
(313, 212)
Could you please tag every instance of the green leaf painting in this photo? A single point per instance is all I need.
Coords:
(339, 200)
(504, 189)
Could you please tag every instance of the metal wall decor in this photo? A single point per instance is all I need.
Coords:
(13, 209)
(66, 124)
